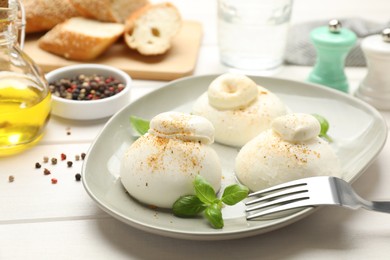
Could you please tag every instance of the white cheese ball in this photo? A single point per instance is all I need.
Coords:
(238, 108)
(161, 165)
(270, 159)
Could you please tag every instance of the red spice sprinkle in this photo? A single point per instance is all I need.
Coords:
(54, 180)
(63, 157)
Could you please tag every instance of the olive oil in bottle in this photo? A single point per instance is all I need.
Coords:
(24, 112)
(24, 95)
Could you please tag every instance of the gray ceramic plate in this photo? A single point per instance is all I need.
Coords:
(358, 130)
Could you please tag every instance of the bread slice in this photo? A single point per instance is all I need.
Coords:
(150, 29)
(42, 15)
(108, 10)
(80, 38)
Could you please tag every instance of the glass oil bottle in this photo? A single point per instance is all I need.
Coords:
(25, 100)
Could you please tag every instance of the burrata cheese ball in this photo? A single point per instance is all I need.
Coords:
(238, 108)
(290, 150)
(161, 165)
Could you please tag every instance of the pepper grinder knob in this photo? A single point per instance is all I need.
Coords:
(332, 44)
(386, 35)
(334, 26)
(375, 87)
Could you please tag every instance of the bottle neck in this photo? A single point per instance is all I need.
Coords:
(8, 34)
(10, 23)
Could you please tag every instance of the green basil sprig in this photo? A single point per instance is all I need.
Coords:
(324, 127)
(139, 124)
(206, 201)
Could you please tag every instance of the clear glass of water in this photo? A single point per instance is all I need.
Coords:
(252, 34)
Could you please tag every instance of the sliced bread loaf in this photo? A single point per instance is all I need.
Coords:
(150, 29)
(80, 38)
(42, 15)
(108, 10)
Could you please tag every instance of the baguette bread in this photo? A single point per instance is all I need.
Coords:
(108, 10)
(150, 29)
(80, 38)
(42, 15)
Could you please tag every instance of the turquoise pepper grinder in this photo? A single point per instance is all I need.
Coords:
(332, 44)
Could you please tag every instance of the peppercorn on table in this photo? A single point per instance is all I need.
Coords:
(45, 212)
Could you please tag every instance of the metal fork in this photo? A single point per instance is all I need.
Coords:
(312, 191)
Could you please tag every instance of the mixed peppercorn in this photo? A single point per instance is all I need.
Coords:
(82, 87)
(54, 161)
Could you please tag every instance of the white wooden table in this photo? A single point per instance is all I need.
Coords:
(39, 220)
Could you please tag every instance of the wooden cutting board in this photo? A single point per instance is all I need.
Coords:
(179, 61)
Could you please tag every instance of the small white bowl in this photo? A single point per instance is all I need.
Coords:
(89, 109)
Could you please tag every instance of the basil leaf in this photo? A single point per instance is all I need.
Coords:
(324, 127)
(213, 214)
(206, 200)
(204, 191)
(188, 206)
(139, 124)
(234, 193)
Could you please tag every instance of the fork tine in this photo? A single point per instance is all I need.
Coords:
(300, 182)
(292, 205)
(277, 194)
(288, 200)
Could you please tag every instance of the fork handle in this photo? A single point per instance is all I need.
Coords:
(381, 206)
